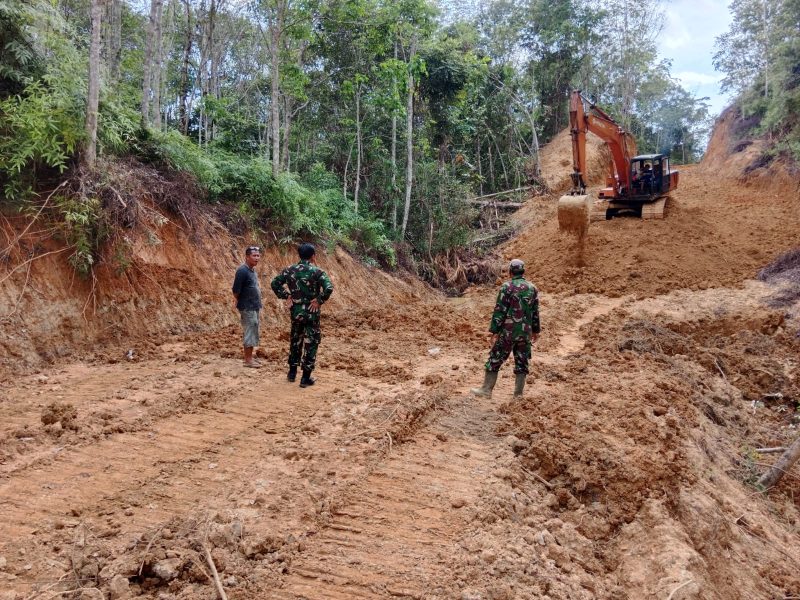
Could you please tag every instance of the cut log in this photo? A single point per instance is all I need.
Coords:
(779, 469)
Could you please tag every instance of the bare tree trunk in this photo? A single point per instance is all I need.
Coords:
(183, 114)
(785, 462)
(394, 150)
(358, 146)
(766, 47)
(93, 94)
(288, 107)
(491, 168)
(346, 166)
(480, 166)
(409, 136)
(155, 8)
(112, 38)
(276, 34)
(201, 72)
(158, 70)
(209, 80)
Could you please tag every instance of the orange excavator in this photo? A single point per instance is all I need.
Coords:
(635, 184)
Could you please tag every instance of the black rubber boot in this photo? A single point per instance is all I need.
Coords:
(292, 374)
(519, 384)
(306, 380)
(489, 380)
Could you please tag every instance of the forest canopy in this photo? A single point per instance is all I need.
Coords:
(760, 58)
(365, 121)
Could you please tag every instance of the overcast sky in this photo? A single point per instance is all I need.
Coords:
(688, 40)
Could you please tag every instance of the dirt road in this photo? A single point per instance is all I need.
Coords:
(623, 473)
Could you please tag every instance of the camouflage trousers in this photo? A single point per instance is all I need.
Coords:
(306, 335)
(503, 347)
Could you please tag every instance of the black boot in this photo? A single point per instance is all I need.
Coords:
(519, 384)
(306, 379)
(489, 381)
(292, 374)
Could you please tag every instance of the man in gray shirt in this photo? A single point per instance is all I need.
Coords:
(248, 302)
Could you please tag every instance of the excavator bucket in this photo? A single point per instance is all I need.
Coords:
(574, 213)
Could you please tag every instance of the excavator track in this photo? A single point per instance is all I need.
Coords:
(650, 210)
(655, 209)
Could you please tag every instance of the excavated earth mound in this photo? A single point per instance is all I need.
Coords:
(714, 234)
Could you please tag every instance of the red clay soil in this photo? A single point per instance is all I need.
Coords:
(626, 470)
(716, 233)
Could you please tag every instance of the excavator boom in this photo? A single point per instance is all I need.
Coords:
(574, 209)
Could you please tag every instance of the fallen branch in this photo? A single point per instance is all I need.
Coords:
(771, 450)
(373, 429)
(785, 462)
(155, 536)
(719, 368)
(496, 204)
(213, 568)
(539, 478)
(683, 585)
(519, 189)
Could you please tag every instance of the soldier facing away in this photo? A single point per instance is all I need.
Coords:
(305, 287)
(514, 327)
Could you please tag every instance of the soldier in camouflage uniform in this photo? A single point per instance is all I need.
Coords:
(308, 288)
(514, 327)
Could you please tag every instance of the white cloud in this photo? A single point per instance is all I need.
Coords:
(693, 77)
(675, 34)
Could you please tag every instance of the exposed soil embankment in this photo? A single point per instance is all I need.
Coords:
(736, 153)
(162, 278)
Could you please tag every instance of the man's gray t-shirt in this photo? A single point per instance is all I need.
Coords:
(246, 285)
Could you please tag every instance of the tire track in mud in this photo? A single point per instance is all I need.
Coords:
(396, 533)
(205, 449)
(395, 520)
(400, 533)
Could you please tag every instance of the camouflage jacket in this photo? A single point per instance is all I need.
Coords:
(516, 313)
(305, 282)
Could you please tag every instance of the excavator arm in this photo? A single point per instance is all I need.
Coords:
(620, 142)
(574, 209)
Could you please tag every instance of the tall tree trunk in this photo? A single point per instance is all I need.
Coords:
(288, 107)
(183, 114)
(358, 146)
(112, 38)
(155, 9)
(765, 13)
(409, 136)
(208, 66)
(347, 166)
(158, 69)
(93, 94)
(480, 166)
(201, 71)
(492, 186)
(394, 150)
(276, 36)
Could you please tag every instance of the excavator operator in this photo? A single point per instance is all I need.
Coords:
(646, 178)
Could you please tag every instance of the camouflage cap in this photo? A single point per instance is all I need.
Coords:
(516, 266)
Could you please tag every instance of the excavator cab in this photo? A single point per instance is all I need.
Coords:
(650, 177)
